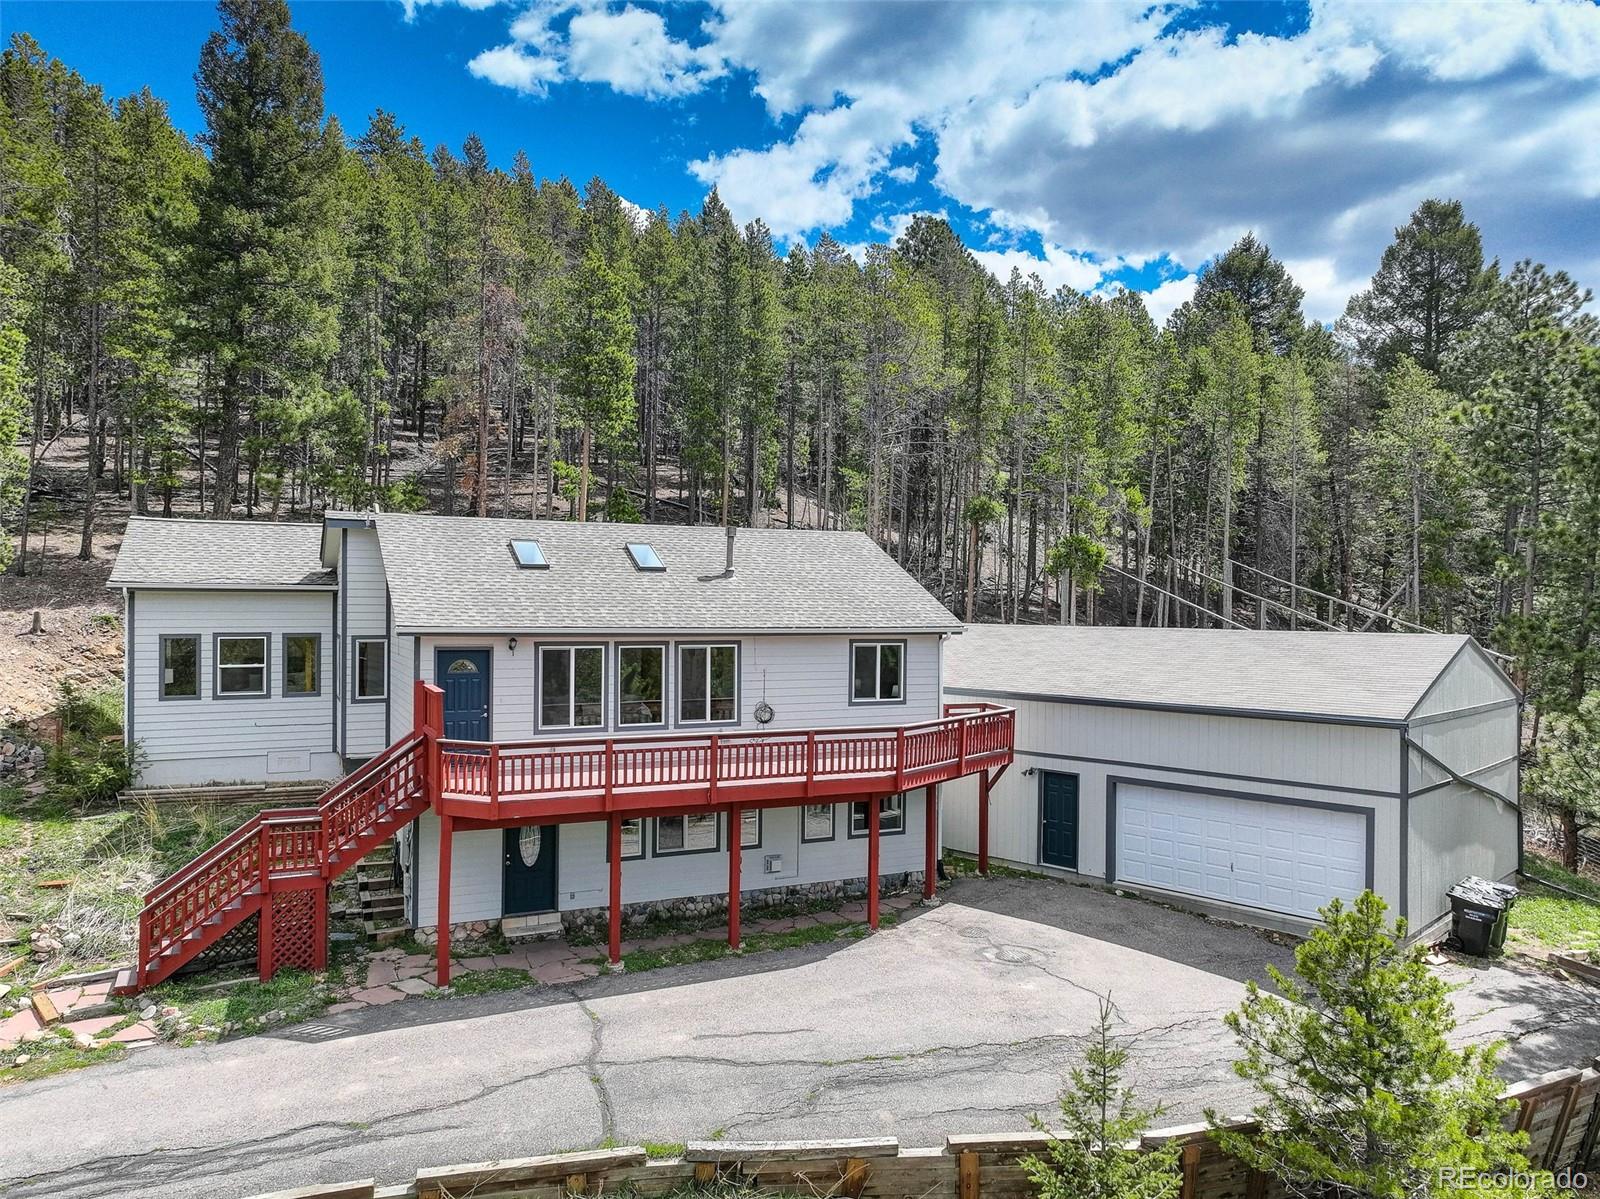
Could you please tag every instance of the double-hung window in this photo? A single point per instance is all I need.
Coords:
(708, 688)
(641, 685)
(302, 664)
(877, 672)
(371, 669)
(571, 686)
(180, 667)
(242, 666)
(891, 816)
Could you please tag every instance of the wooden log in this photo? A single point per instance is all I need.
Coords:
(1191, 1170)
(1017, 1144)
(44, 1008)
(968, 1181)
(554, 1167)
(853, 1179)
(743, 1151)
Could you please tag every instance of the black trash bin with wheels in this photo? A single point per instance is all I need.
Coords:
(1478, 911)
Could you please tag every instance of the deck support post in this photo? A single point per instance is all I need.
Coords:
(983, 823)
(873, 804)
(930, 843)
(735, 866)
(614, 937)
(446, 843)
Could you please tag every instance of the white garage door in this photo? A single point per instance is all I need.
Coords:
(1277, 856)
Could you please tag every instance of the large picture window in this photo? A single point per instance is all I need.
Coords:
(686, 834)
(302, 664)
(241, 666)
(371, 669)
(641, 684)
(180, 668)
(891, 816)
(708, 687)
(877, 672)
(571, 686)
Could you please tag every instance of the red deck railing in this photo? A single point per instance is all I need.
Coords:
(279, 844)
(495, 780)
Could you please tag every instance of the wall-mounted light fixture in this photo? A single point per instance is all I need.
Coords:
(1028, 773)
(511, 644)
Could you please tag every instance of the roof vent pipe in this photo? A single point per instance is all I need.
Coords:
(732, 531)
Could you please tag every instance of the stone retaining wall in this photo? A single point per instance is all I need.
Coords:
(595, 922)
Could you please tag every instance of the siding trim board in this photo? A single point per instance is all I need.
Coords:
(1113, 780)
(1458, 713)
(1374, 722)
(340, 625)
(1405, 826)
(128, 695)
(1216, 774)
(1465, 780)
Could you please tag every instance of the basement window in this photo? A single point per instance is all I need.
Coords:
(891, 816)
(645, 557)
(529, 555)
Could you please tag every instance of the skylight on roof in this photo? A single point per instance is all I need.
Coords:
(529, 555)
(644, 556)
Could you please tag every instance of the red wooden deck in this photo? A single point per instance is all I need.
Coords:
(277, 866)
(522, 782)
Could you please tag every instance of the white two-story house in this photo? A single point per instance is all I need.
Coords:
(710, 700)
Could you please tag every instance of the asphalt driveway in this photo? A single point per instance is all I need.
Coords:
(962, 1018)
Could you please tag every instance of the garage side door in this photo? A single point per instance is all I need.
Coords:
(1276, 856)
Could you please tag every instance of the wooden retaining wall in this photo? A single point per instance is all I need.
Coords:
(1559, 1111)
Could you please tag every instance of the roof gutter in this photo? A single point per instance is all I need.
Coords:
(1373, 722)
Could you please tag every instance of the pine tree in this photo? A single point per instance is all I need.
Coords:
(257, 275)
(1361, 1094)
(597, 363)
(1095, 1153)
(1430, 286)
(13, 407)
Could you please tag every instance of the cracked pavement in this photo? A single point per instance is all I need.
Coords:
(962, 1018)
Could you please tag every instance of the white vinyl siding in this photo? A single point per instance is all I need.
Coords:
(368, 727)
(238, 739)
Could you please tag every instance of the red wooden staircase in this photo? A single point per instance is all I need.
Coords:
(278, 865)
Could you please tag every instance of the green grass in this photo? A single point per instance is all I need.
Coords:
(1555, 920)
(711, 950)
(291, 996)
(660, 1149)
(54, 1054)
(958, 865)
(107, 859)
(486, 982)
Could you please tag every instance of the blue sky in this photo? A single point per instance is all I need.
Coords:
(1098, 144)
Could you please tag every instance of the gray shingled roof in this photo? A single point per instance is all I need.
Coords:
(219, 553)
(450, 573)
(1346, 676)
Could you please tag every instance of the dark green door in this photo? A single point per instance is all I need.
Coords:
(530, 869)
(1058, 819)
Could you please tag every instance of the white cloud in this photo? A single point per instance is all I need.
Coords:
(518, 68)
(1163, 299)
(412, 6)
(1059, 267)
(1114, 135)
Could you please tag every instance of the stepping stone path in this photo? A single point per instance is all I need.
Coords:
(393, 975)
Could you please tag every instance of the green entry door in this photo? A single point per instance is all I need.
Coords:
(1058, 819)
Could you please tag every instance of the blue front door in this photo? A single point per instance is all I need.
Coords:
(464, 676)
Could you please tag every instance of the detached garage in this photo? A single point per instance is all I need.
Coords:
(1256, 775)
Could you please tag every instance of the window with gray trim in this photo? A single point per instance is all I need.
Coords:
(641, 684)
(708, 684)
(632, 840)
(371, 668)
(750, 828)
(572, 686)
(180, 667)
(816, 822)
(695, 833)
(891, 816)
(877, 672)
(242, 665)
(302, 664)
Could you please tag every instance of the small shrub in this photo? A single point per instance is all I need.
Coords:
(94, 715)
(89, 773)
